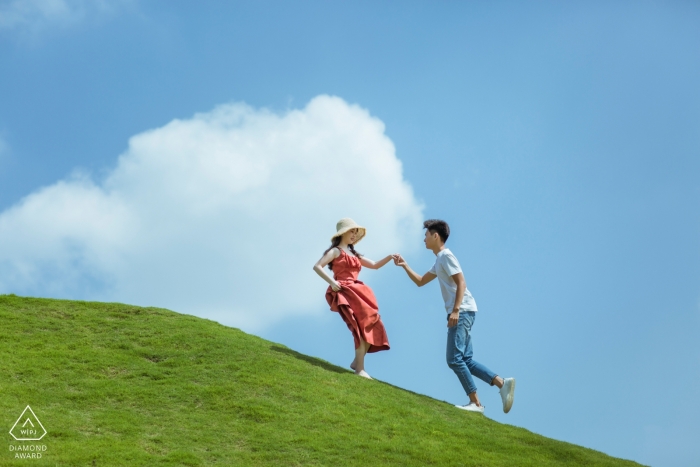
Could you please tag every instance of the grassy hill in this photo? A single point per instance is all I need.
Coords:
(127, 386)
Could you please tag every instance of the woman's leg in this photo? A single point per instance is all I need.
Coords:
(359, 363)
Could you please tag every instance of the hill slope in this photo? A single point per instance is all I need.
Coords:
(122, 385)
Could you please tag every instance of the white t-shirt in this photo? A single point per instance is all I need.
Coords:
(446, 266)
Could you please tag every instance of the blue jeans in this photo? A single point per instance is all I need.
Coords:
(459, 353)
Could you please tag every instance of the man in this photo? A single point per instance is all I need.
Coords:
(461, 311)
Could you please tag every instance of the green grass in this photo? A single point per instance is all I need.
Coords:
(127, 386)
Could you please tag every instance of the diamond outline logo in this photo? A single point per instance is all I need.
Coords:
(25, 423)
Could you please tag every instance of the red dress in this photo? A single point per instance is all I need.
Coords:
(356, 304)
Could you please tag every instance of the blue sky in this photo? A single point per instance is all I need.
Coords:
(561, 142)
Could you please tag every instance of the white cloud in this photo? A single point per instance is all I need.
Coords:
(221, 215)
(35, 15)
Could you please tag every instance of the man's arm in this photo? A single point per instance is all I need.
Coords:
(417, 279)
(459, 296)
(461, 287)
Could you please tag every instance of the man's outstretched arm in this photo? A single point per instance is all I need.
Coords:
(417, 279)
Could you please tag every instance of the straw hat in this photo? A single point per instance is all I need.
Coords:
(346, 224)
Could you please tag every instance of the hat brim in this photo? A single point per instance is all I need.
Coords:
(361, 232)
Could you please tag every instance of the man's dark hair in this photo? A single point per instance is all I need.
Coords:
(439, 227)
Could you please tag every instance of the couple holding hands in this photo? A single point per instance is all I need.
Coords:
(357, 305)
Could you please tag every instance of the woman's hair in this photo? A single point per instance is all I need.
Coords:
(439, 227)
(334, 244)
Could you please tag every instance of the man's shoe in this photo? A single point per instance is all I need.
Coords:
(472, 407)
(507, 393)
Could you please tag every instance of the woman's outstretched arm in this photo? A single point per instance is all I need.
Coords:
(369, 264)
(332, 254)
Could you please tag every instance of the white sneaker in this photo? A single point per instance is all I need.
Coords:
(507, 393)
(364, 374)
(471, 407)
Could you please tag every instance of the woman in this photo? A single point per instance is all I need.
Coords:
(351, 298)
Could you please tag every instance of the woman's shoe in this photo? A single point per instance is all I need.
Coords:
(364, 374)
